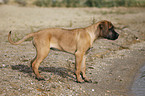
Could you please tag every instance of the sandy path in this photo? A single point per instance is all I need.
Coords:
(111, 65)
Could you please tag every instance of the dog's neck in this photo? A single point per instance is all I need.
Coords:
(92, 30)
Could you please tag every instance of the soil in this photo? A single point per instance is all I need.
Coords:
(112, 65)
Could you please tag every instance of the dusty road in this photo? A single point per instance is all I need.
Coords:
(112, 65)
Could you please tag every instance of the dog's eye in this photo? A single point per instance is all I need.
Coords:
(110, 29)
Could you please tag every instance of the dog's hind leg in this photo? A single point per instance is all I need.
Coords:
(32, 61)
(42, 49)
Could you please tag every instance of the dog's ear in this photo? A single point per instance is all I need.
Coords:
(101, 25)
(102, 28)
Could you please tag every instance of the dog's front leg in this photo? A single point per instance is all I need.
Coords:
(83, 70)
(79, 58)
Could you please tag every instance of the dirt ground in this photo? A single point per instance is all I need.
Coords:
(112, 65)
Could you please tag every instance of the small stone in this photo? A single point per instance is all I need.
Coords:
(93, 90)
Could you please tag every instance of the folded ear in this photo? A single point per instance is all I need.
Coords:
(101, 25)
(102, 28)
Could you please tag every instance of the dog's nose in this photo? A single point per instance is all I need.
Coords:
(116, 35)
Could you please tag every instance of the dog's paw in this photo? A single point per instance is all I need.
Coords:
(88, 81)
(80, 81)
(40, 78)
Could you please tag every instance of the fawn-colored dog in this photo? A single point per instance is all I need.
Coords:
(75, 41)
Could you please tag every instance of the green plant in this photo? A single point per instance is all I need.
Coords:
(21, 2)
(47, 3)
(94, 3)
(6, 1)
(42, 3)
(89, 3)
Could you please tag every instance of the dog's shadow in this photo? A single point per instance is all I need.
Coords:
(63, 72)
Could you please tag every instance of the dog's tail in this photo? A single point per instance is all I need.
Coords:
(20, 41)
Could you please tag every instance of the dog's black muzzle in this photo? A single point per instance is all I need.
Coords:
(112, 35)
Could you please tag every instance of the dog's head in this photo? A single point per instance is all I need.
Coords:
(106, 30)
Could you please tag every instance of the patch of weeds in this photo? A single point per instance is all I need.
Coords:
(16, 37)
(93, 20)
(112, 12)
(70, 24)
(21, 2)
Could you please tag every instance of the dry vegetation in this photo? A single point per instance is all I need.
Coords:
(78, 3)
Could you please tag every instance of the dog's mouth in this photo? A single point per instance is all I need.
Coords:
(112, 36)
